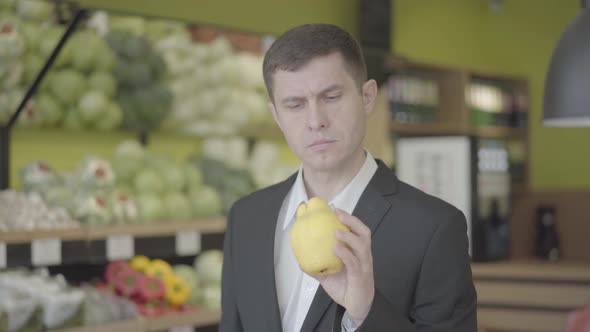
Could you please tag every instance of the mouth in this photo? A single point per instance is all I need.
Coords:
(320, 144)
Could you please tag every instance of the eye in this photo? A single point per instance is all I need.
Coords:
(333, 97)
(294, 106)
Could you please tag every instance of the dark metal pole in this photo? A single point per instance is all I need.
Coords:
(5, 129)
(4, 157)
(143, 137)
(33, 88)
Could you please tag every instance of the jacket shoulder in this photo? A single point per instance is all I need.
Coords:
(426, 209)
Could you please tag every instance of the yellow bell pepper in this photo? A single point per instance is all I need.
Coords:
(178, 291)
(140, 263)
(158, 268)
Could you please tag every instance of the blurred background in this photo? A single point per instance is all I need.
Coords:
(128, 128)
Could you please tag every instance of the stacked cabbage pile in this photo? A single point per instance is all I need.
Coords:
(78, 91)
(163, 188)
(217, 91)
(140, 71)
(126, 70)
(136, 186)
(235, 168)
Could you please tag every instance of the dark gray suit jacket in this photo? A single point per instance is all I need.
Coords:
(420, 254)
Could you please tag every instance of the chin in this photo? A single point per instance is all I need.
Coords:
(322, 163)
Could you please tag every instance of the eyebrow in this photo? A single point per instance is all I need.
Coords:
(328, 89)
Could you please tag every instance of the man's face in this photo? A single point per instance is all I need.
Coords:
(321, 112)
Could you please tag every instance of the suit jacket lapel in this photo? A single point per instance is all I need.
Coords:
(371, 208)
(268, 215)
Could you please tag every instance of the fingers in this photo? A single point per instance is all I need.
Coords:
(356, 243)
(356, 226)
(351, 262)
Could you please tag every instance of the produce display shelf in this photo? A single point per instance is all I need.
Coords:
(98, 245)
(213, 225)
(204, 226)
(168, 322)
(78, 233)
(131, 325)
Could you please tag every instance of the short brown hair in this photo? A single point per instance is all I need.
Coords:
(296, 47)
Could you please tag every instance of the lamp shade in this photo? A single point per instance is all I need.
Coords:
(567, 87)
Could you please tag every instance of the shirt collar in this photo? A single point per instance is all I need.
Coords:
(345, 200)
(297, 196)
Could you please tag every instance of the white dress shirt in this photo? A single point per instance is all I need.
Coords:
(296, 289)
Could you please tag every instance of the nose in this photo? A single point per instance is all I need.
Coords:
(317, 118)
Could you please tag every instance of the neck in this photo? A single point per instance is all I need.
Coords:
(327, 184)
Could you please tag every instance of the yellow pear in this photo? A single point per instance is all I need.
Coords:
(313, 237)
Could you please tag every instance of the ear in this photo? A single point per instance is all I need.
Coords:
(275, 114)
(369, 95)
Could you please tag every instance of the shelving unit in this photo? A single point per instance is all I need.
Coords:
(205, 226)
(168, 322)
(427, 129)
(498, 132)
(98, 244)
(489, 112)
(452, 106)
(132, 325)
(529, 296)
(453, 110)
(192, 319)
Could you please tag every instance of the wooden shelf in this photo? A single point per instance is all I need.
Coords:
(432, 129)
(167, 322)
(194, 319)
(78, 233)
(492, 319)
(498, 132)
(132, 325)
(214, 225)
(529, 295)
(533, 270)
(428, 129)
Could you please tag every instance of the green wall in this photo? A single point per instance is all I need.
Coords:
(267, 16)
(518, 39)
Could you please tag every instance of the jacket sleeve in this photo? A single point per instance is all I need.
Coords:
(230, 316)
(445, 298)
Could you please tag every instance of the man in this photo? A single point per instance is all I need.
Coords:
(406, 262)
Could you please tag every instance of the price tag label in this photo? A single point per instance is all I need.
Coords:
(119, 247)
(46, 252)
(2, 255)
(188, 243)
(182, 329)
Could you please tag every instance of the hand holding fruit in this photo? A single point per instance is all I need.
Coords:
(323, 242)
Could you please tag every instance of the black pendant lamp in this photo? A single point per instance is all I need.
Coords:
(567, 86)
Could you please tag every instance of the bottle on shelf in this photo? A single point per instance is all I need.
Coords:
(547, 245)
